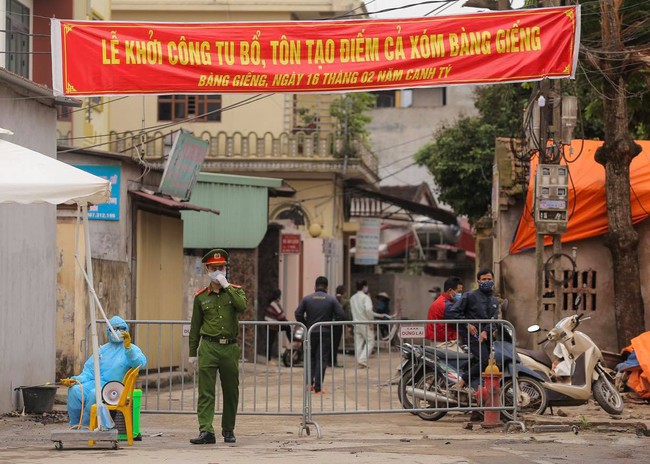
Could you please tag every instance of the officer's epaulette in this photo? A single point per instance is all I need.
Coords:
(201, 291)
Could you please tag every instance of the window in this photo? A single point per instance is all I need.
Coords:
(578, 291)
(199, 107)
(385, 98)
(17, 38)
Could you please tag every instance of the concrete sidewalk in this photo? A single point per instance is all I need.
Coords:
(370, 438)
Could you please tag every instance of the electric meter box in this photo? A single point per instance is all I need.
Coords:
(551, 198)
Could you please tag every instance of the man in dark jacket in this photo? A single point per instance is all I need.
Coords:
(319, 307)
(477, 304)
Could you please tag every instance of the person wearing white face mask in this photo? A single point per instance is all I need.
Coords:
(115, 358)
(214, 348)
(442, 333)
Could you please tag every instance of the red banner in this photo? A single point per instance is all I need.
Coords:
(117, 58)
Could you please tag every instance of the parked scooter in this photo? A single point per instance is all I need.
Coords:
(428, 373)
(294, 355)
(584, 366)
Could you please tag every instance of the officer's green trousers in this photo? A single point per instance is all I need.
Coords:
(214, 357)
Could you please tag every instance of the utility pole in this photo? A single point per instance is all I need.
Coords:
(551, 190)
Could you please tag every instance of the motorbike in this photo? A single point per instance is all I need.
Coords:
(410, 372)
(585, 367)
(427, 374)
(293, 355)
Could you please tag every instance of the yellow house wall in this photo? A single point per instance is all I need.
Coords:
(320, 199)
(261, 116)
(322, 202)
(71, 300)
(100, 9)
(91, 121)
(160, 287)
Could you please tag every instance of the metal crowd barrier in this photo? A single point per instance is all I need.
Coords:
(281, 384)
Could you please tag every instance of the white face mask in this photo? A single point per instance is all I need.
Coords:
(213, 275)
(112, 337)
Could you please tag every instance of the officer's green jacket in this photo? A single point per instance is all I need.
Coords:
(215, 314)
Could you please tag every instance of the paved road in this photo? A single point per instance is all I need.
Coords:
(358, 439)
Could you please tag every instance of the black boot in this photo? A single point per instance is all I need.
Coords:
(204, 438)
(228, 437)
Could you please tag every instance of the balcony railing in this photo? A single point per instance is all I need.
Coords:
(248, 148)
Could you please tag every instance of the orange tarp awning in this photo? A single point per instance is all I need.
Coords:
(587, 207)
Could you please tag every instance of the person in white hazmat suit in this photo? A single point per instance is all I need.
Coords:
(115, 358)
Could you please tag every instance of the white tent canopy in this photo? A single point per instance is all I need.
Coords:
(27, 177)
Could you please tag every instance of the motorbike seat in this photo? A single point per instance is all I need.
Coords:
(538, 355)
(449, 354)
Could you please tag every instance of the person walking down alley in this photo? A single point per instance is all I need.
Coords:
(337, 330)
(319, 307)
(477, 304)
(275, 313)
(115, 358)
(214, 348)
(364, 334)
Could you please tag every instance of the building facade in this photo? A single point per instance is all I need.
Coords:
(28, 258)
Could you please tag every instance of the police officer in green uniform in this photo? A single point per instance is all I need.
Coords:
(213, 336)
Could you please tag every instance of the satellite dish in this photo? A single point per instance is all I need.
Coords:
(112, 392)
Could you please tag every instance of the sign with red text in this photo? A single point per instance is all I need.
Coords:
(93, 58)
(290, 243)
(411, 331)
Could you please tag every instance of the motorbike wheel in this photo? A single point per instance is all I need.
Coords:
(406, 380)
(533, 391)
(607, 396)
(428, 383)
(291, 358)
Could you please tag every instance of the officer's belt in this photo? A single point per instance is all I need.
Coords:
(219, 340)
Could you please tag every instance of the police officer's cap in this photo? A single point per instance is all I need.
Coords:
(216, 256)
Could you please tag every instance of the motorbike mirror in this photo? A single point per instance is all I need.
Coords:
(576, 302)
(534, 328)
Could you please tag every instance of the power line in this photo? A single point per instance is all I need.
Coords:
(146, 130)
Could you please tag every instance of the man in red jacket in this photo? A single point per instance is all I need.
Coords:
(452, 291)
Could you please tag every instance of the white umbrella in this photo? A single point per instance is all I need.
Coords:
(27, 177)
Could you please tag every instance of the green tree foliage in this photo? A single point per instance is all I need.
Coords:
(461, 156)
(457, 153)
(635, 20)
(351, 112)
(460, 160)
